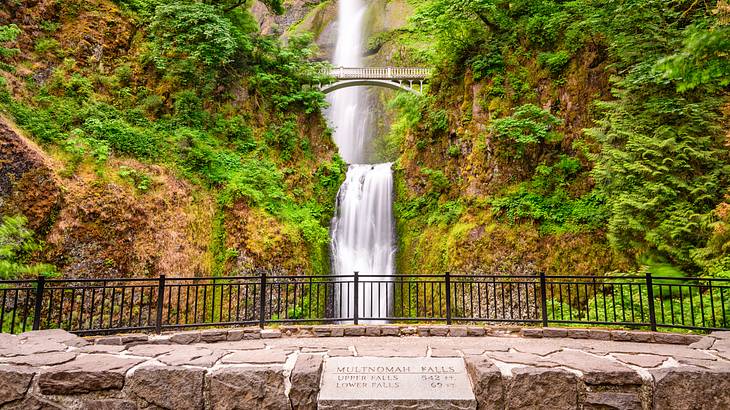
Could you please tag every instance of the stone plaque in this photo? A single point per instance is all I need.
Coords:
(425, 382)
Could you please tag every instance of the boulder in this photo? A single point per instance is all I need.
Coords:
(14, 383)
(154, 385)
(248, 387)
(487, 382)
(689, 387)
(305, 382)
(540, 388)
(86, 374)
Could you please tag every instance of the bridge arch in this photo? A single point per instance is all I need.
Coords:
(328, 88)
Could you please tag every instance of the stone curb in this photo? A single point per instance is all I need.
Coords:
(250, 333)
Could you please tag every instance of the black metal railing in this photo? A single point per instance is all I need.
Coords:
(96, 306)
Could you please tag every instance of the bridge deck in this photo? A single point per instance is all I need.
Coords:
(380, 73)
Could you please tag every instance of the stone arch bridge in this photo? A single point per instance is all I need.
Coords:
(410, 79)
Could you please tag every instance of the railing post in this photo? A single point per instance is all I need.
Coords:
(543, 299)
(40, 286)
(448, 297)
(262, 297)
(650, 296)
(356, 298)
(160, 303)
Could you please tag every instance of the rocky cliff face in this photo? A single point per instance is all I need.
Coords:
(28, 185)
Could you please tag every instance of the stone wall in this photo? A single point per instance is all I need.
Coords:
(249, 368)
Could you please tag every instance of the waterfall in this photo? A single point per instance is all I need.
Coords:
(363, 232)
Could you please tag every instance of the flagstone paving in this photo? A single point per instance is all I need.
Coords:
(245, 368)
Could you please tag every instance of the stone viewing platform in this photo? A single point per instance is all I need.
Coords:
(300, 368)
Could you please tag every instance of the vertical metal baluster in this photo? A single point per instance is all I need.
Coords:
(103, 299)
(671, 305)
(613, 303)
(471, 299)
(691, 305)
(519, 301)
(722, 306)
(309, 316)
(623, 305)
(681, 305)
(212, 302)
(641, 303)
(149, 306)
(661, 301)
(177, 306)
(702, 305)
(131, 305)
(71, 309)
(712, 304)
(81, 308)
(111, 307)
(15, 310)
(2, 310)
(60, 310)
(169, 303)
(121, 307)
(605, 306)
(93, 305)
(570, 304)
(220, 305)
(205, 302)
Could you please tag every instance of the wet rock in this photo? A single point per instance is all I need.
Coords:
(305, 380)
(169, 388)
(27, 183)
(14, 383)
(248, 388)
(537, 388)
(86, 374)
(486, 381)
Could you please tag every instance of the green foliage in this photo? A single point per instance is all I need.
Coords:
(194, 31)
(141, 181)
(17, 246)
(122, 137)
(527, 126)
(554, 62)
(7, 34)
(702, 61)
(546, 200)
(663, 165)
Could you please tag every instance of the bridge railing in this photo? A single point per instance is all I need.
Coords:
(95, 306)
(379, 73)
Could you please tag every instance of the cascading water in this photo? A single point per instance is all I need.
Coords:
(363, 232)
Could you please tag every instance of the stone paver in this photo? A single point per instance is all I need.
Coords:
(255, 357)
(86, 374)
(52, 369)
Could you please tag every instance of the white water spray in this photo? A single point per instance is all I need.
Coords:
(363, 229)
